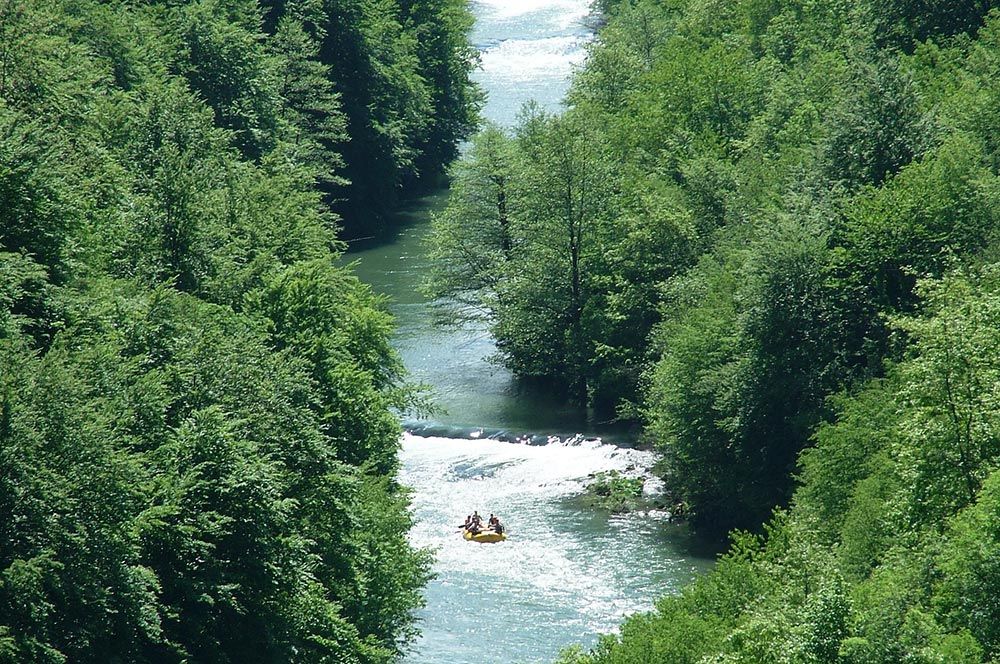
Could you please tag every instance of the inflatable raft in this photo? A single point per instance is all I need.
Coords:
(485, 537)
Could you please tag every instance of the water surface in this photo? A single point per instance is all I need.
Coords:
(567, 574)
(528, 50)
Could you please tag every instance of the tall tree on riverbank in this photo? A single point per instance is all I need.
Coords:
(517, 241)
(473, 248)
(545, 239)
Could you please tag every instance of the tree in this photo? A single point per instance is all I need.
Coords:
(224, 60)
(471, 241)
(564, 198)
(876, 131)
(748, 351)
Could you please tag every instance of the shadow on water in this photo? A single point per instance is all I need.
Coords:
(549, 409)
(672, 536)
(523, 411)
(414, 213)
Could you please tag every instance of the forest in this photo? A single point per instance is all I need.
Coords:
(199, 404)
(767, 231)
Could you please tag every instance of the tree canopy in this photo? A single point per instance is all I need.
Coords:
(198, 404)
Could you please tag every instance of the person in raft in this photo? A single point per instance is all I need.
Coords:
(473, 523)
(495, 525)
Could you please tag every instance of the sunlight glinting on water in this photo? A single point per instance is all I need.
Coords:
(551, 58)
(528, 50)
(564, 13)
(564, 574)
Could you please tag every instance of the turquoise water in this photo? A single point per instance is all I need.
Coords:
(567, 574)
(528, 49)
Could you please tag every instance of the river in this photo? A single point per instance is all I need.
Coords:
(567, 574)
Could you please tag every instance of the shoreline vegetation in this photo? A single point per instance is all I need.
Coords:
(198, 404)
(767, 230)
(620, 493)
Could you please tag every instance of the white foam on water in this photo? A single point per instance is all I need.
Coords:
(522, 484)
(533, 59)
(566, 12)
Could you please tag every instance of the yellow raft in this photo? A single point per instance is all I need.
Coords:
(485, 537)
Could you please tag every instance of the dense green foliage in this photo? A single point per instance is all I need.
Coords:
(395, 75)
(614, 492)
(714, 235)
(768, 228)
(197, 429)
(889, 550)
